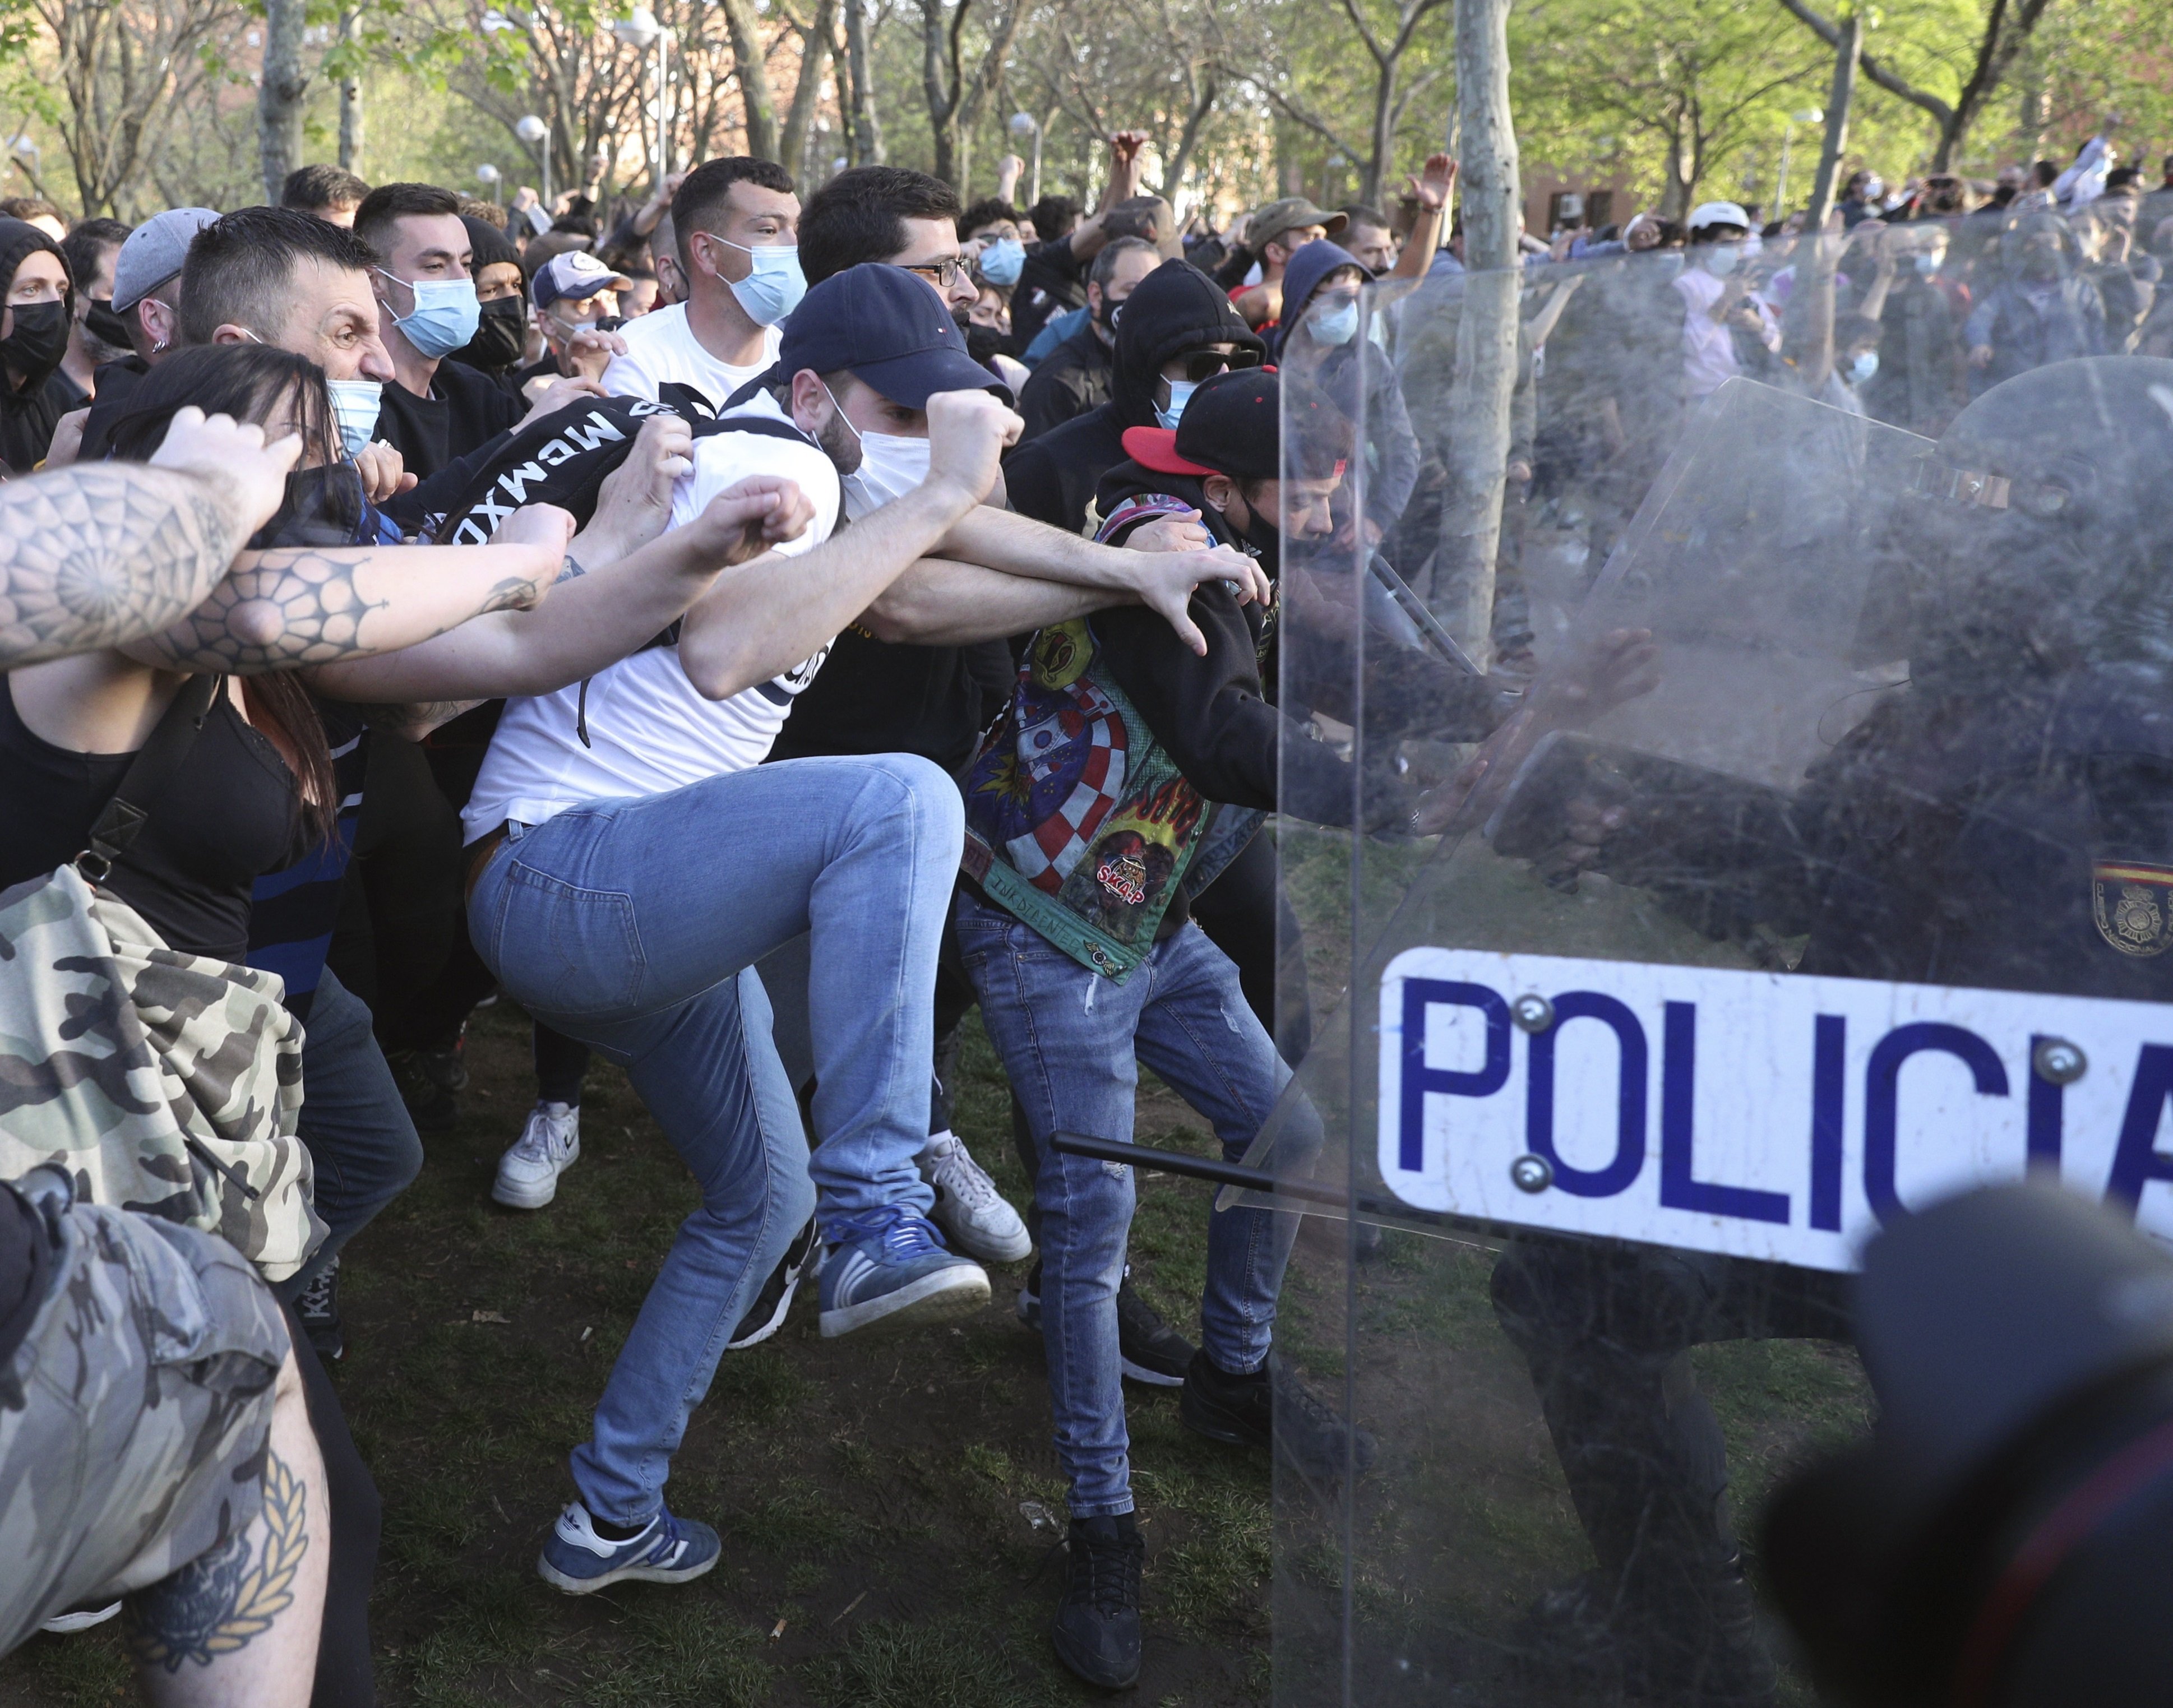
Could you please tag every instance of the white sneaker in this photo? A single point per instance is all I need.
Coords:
(979, 1218)
(528, 1174)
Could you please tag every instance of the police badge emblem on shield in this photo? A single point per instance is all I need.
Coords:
(2133, 904)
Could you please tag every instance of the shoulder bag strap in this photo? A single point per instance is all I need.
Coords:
(155, 762)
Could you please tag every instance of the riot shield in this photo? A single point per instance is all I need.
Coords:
(1788, 873)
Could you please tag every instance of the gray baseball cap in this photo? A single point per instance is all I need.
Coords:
(154, 252)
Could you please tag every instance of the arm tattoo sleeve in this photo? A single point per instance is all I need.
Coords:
(103, 554)
(308, 605)
(221, 1601)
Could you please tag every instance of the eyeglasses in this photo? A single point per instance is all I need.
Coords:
(1206, 364)
(943, 274)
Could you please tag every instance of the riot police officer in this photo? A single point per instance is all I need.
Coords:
(2004, 820)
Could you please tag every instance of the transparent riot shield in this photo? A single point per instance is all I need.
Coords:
(1733, 859)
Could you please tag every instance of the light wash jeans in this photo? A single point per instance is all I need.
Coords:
(1071, 1041)
(633, 926)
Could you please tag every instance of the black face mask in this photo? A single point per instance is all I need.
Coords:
(983, 342)
(1265, 539)
(34, 348)
(323, 507)
(501, 337)
(108, 327)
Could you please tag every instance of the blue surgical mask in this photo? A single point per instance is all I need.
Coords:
(355, 404)
(1721, 259)
(1180, 394)
(446, 317)
(1002, 261)
(1863, 368)
(773, 289)
(1335, 322)
(1927, 266)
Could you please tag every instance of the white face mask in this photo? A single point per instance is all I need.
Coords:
(892, 465)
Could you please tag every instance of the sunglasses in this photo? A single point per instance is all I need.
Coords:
(1206, 364)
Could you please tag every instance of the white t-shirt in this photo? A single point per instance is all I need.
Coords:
(661, 345)
(649, 730)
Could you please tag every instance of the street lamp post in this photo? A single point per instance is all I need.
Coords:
(537, 134)
(1026, 124)
(1806, 116)
(489, 175)
(639, 30)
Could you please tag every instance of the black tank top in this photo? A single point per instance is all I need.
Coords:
(229, 813)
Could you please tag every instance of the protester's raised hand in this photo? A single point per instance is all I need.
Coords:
(232, 457)
(384, 472)
(1432, 187)
(967, 431)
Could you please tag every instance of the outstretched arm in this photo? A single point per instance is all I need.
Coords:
(593, 619)
(1163, 581)
(100, 554)
(279, 610)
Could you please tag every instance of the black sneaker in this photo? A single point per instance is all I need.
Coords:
(1098, 1622)
(317, 1308)
(1148, 1349)
(766, 1316)
(1241, 1410)
(430, 1105)
(448, 1069)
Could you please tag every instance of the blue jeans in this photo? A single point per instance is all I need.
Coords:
(362, 1143)
(633, 925)
(1071, 1041)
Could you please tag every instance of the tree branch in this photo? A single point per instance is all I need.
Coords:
(1892, 82)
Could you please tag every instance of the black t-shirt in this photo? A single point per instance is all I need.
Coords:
(226, 815)
(879, 697)
(25, 1260)
(465, 409)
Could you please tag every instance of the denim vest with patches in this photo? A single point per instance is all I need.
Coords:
(1078, 822)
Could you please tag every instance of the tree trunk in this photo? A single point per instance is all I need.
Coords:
(867, 146)
(1846, 57)
(814, 54)
(350, 96)
(1486, 373)
(280, 96)
(1384, 138)
(755, 97)
(941, 93)
(1196, 120)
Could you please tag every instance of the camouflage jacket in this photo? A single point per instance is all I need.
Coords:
(162, 1082)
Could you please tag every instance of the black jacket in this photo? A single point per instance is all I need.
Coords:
(1074, 379)
(1175, 308)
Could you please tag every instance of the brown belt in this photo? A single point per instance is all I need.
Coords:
(479, 858)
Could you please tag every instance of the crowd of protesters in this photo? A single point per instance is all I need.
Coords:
(405, 599)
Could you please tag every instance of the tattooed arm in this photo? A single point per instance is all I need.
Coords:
(239, 1624)
(597, 618)
(106, 552)
(278, 609)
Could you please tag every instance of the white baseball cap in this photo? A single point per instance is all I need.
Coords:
(1719, 214)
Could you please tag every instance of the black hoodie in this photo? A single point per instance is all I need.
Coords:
(1174, 308)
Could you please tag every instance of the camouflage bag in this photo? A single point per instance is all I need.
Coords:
(161, 1082)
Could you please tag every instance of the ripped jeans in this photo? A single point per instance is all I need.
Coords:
(1071, 1041)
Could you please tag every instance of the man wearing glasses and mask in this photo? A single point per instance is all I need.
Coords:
(1177, 331)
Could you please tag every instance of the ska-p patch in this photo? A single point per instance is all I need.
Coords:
(2132, 903)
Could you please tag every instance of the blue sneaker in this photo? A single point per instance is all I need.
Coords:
(670, 1550)
(890, 1266)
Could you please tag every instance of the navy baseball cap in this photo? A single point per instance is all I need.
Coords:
(888, 328)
